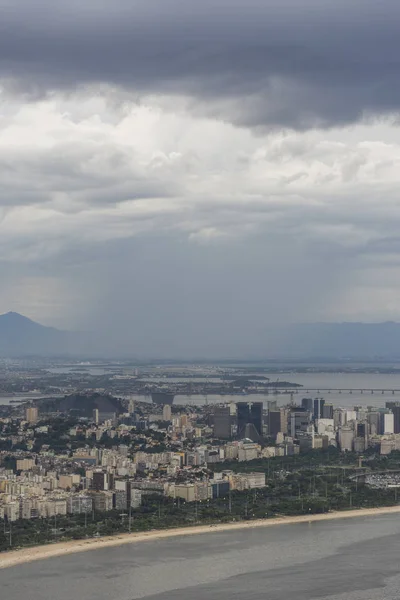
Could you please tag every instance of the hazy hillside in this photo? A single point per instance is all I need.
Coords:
(20, 336)
(342, 340)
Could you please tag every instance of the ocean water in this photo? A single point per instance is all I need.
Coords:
(316, 381)
(345, 559)
(339, 385)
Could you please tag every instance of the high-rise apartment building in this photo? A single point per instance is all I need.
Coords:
(167, 412)
(102, 481)
(32, 414)
(79, 504)
(96, 418)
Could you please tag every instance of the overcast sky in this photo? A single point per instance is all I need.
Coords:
(183, 174)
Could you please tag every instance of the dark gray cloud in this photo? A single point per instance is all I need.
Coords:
(254, 62)
(125, 209)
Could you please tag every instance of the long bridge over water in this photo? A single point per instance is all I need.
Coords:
(308, 390)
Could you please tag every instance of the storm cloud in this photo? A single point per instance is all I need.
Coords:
(257, 63)
(180, 175)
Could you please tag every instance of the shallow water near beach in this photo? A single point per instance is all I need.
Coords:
(352, 559)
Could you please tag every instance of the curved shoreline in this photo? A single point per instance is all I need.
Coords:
(24, 555)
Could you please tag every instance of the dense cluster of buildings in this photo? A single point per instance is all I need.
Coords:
(111, 461)
(45, 485)
(105, 480)
(317, 424)
(314, 424)
(94, 478)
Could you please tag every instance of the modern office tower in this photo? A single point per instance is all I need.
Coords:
(277, 421)
(388, 420)
(362, 430)
(314, 406)
(387, 423)
(374, 420)
(271, 405)
(327, 411)
(395, 408)
(300, 421)
(346, 438)
(318, 408)
(307, 404)
(222, 422)
(250, 419)
(274, 422)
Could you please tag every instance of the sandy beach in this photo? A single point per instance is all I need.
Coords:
(17, 557)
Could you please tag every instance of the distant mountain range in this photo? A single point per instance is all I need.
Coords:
(20, 336)
(342, 340)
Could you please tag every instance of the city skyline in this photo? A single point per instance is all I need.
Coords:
(90, 450)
